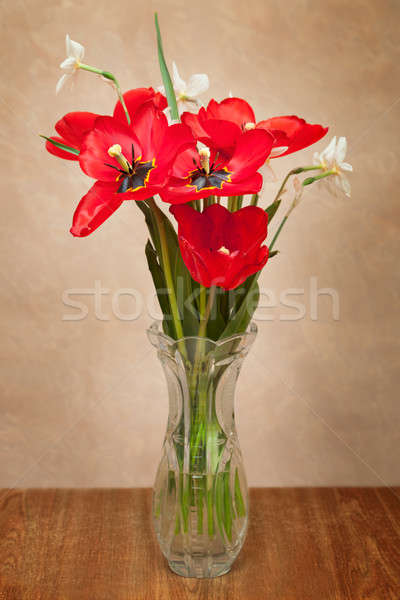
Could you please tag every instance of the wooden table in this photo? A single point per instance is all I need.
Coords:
(306, 544)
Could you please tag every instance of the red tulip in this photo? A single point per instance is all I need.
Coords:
(73, 127)
(129, 163)
(290, 132)
(228, 168)
(219, 247)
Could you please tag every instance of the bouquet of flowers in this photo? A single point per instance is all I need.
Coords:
(205, 164)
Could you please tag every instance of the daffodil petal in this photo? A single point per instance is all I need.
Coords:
(61, 82)
(341, 149)
(179, 84)
(77, 51)
(198, 84)
(328, 154)
(68, 64)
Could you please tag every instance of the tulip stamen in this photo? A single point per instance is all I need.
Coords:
(249, 126)
(115, 151)
(224, 250)
(204, 154)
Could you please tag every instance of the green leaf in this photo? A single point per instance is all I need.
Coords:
(271, 210)
(166, 77)
(185, 294)
(160, 286)
(61, 146)
(240, 321)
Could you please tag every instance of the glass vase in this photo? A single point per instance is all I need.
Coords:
(200, 498)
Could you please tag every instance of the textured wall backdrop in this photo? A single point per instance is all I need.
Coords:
(84, 403)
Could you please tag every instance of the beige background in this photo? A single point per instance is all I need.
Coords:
(84, 403)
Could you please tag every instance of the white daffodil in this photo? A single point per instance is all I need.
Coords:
(187, 93)
(332, 160)
(72, 64)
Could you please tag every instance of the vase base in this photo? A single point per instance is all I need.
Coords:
(199, 569)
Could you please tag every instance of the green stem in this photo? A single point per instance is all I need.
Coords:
(231, 203)
(254, 200)
(296, 171)
(111, 77)
(167, 269)
(206, 315)
(277, 232)
(310, 180)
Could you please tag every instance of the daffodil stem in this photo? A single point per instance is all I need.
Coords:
(167, 268)
(310, 180)
(111, 77)
(278, 232)
(296, 171)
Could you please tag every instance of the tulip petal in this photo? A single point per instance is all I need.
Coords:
(202, 236)
(222, 135)
(293, 132)
(252, 150)
(178, 191)
(94, 151)
(195, 122)
(95, 207)
(236, 110)
(58, 151)
(135, 98)
(248, 228)
(74, 126)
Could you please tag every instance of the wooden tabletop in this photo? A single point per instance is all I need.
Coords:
(306, 544)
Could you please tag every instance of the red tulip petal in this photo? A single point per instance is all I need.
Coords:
(176, 139)
(95, 207)
(94, 152)
(251, 185)
(134, 99)
(293, 132)
(252, 150)
(236, 110)
(185, 162)
(202, 235)
(178, 191)
(195, 122)
(58, 152)
(248, 229)
(248, 269)
(150, 126)
(74, 126)
(222, 134)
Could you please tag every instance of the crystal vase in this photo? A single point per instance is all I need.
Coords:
(200, 498)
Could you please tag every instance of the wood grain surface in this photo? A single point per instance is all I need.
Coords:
(98, 544)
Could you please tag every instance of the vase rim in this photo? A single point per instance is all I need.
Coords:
(155, 331)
